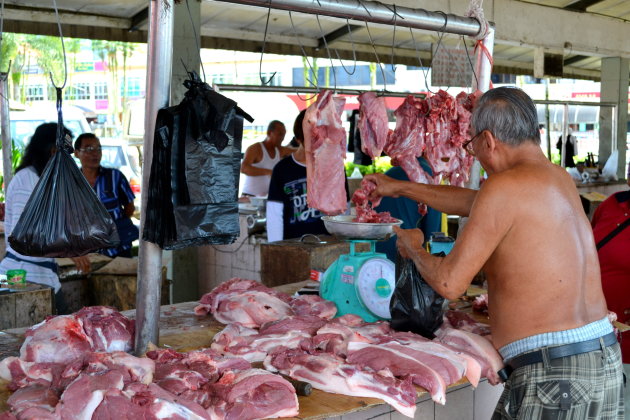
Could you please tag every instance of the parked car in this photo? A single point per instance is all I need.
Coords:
(24, 123)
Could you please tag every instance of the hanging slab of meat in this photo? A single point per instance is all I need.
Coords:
(329, 373)
(406, 143)
(109, 329)
(325, 145)
(252, 394)
(365, 212)
(476, 346)
(389, 357)
(373, 124)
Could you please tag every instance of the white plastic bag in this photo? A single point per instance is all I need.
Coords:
(609, 172)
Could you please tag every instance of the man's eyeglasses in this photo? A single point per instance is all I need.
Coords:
(90, 149)
(468, 145)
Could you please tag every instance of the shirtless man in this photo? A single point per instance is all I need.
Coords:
(528, 232)
(261, 157)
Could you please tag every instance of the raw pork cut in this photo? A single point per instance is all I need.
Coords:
(252, 394)
(365, 213)
(330, 373)
(64, 339)
(476, 346)
(373, 124)
(325, 145)
(84, 394)
(388, 357)
(462, 321)
(313, 305)
(109, 329)
(59, 339)
(33, 402)
(254, 347)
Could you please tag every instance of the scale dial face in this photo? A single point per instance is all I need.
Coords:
(375, 284)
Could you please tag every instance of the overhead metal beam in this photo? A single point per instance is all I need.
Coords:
(139, 19)
(375, 12)
(575, 59)
(336, 34)
(581, 5)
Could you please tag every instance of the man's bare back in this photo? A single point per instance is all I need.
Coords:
(544, 274)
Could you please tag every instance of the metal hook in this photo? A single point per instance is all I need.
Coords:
(196, 42)
(262, 52)
(303, 54)
(472, 67)
(378, 61)
(394, 40)
(354, 55)
(321, 31)
(63, 47)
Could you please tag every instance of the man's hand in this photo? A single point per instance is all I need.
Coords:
(409, 241)
(385, 186)
(82, 263)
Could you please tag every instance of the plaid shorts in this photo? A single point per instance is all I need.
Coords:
(583, 386)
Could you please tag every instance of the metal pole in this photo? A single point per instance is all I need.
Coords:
(483, 70)
(375, 12)
(160, 46)
(7, 168)
(547, 120)
(306, 89)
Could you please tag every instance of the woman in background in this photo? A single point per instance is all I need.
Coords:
(39, 150)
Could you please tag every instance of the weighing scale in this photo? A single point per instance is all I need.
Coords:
(360, 283)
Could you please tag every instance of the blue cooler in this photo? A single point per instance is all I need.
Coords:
(439, 242)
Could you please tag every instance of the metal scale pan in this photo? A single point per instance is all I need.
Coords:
(344, 228)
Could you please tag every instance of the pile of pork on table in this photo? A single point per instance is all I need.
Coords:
(78, 366)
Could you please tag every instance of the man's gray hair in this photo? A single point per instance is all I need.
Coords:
(509, 114)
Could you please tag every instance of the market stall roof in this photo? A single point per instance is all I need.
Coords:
(573, 34)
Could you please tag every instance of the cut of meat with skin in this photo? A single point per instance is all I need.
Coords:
(309, 324)
(251, 308)
(254, 394)
(60, 339)
(329, 373)
(477, 346)
(133, 369)
(254, 348)
(313, 305)
(109, 329)
(85, 393)
(210, 301)
(325, 145)
(20, 373)
(401, 364)
(148, 402)
(462, 321)
(373, 124)
(34, 402)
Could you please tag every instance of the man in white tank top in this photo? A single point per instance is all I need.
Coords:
(260, 158)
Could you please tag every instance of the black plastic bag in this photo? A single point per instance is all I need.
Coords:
(193, 187)
(63, 216)
(414, 305)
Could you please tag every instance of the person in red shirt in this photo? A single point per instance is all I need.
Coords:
(614, 262)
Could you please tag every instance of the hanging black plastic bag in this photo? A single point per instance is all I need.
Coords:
(193, 187)
(63, 216)
(414, 305)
